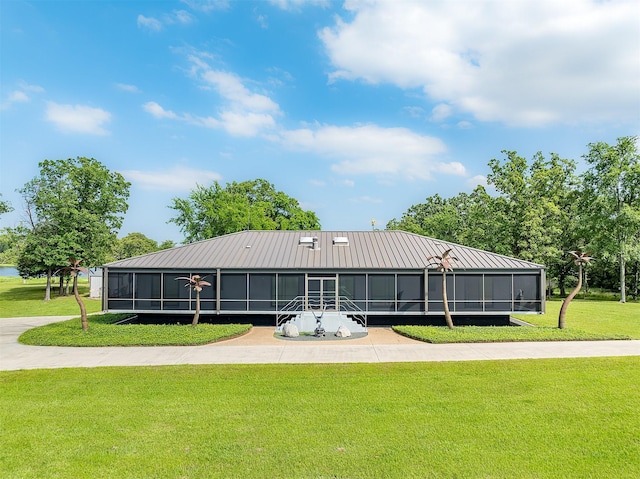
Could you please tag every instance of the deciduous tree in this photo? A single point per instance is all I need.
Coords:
(5, 207)
(257, 205)
(611, 202)
(134, 244)
(74, 269)
(74, 206)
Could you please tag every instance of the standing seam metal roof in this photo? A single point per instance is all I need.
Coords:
(278, 250)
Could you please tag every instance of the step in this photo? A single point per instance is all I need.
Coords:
(307, 322)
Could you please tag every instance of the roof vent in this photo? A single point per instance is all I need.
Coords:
(306, 240)
(309, 241)
(340, 241)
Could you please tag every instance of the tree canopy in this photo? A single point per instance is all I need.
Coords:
(74, 207)
(136, 244)
(214, 211)
(542, 209)
(5, 207)
(611, 202)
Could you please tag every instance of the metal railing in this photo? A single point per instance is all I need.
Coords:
(353, 310)
(292, 308)
(300, 304)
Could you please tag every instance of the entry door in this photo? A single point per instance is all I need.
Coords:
(321, 294)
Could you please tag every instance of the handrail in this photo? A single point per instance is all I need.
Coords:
(296, 304)
(347, 305)
(344, 303)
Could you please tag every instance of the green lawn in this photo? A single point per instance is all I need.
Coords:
(499, 334)
(599, 317)
(18, 299)
(564, 418)
(102, 332)
(586, 320)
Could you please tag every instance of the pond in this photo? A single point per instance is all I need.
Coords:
(8, 271)
(12, 271)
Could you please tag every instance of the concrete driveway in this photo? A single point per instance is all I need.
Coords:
(260, 347)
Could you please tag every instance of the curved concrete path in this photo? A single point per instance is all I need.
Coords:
(260, 347)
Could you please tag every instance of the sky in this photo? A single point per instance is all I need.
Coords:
(359, 109)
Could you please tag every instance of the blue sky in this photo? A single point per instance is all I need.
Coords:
(358, 109)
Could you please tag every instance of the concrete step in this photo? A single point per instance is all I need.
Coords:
(307, 322)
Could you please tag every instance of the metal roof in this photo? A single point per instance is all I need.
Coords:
(283, 250)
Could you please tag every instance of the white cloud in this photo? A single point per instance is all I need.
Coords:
(206, 5)
(477, 180)
(414, 111)
(521, 63)
(150, 23)
(262, 21)
(370, 149)
(157, 111)
(78, 118)
(31, 88)
(178, 178)
(181, 16)
(440, 112)
(20, 95)
(127, 88)
(245, 123)
(230, 87)
(242, 113)
(298, 4)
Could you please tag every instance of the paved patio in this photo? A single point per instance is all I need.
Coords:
(259, 346)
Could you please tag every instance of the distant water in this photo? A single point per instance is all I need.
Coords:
(8, 271)
(11, 271)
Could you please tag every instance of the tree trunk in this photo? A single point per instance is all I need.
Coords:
(47, 289)
(447, 314)
(636, 275)
(548, 288)
(565, 303)
(586, 283)
(561, 278)
(197, 315)
(83, 310)
(623, 285)
(61, 286)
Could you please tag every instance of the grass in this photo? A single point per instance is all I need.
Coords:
(555, 418)
(102, 332)
(18, 299)
(586, 320)
(497, 334)
(600, 317)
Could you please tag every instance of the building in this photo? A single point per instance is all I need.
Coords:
(375, 277)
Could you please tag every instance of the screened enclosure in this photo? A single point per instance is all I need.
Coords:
(376, 273)
(373, 293)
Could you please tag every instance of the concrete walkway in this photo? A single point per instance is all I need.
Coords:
(260, 347)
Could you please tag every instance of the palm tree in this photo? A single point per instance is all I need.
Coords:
(581, 258)
(74, 268)
(444, 264)
(198, 283)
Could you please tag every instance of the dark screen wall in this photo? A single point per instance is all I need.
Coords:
(374, 293)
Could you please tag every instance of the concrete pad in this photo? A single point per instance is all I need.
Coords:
(259, 346)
